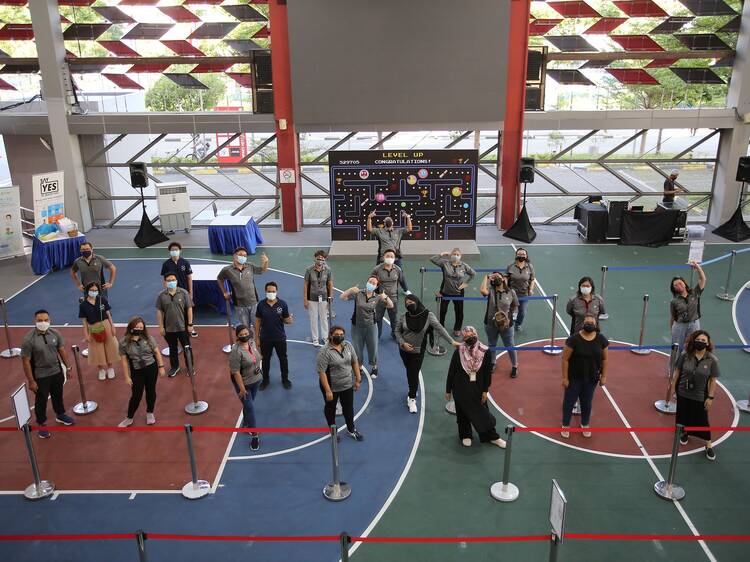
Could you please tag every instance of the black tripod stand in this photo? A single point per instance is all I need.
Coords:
(735, 229)
(522, 229)
(148, 234)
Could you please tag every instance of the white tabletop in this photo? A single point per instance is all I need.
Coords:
(207, 272)
(229, 220)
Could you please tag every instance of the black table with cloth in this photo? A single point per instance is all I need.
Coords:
(653, 229)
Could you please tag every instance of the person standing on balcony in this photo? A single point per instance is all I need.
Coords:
(670, 189)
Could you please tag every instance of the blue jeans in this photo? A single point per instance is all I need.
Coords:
(508, 340)
(366, 336)
(578, 389)
(248, 403)
(681, 331)
(402, 281)
(521, 312)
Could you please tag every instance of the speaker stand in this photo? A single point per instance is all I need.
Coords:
(522, 229)
(735, 229)
(148, 234)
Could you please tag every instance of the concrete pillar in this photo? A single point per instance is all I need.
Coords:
(734, 142)
(57, 87)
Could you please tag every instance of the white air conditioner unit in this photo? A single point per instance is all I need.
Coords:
(173, 201)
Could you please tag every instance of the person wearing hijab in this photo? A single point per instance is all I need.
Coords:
(468, 381)
(411, 333)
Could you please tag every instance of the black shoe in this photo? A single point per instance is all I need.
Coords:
(514, 372)
(684, 439)
(173, 371)
(254, 442)
(356, 435)
(710, 454)
(264, 384)
(374, 372)
(286, 383)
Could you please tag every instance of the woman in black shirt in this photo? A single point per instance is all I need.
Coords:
(694, 382)
(584, 366)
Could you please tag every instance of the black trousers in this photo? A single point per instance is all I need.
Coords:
(143, 379)
(266, 350)
(412, 363)
(346, 397)
(172, 338)
(458, 309)
(464, 427)
(49, 386)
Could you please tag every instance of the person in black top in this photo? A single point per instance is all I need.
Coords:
(181, 269)
(694, 382)
(270, 316)
(670, 188)
(99, 331)
(584, 366)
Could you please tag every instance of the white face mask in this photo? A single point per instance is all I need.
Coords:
(456, 257)
(42, 326)
(585, 290)
(241, 259)
(174, 253)
(271, 296)
(390, 261)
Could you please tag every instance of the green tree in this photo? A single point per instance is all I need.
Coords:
(165, 95)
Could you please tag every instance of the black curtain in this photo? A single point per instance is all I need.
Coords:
(648, 229)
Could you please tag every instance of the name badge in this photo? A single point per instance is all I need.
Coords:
(472, 376)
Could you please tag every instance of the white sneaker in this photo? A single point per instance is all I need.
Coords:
(466, 442)
(499, 442)
(110, 373)
(127, 422)
(339, 410)
(586, 433)
(407, 292)
(102, 374)
(316, 343)
(412, 403)
(565, 433)
(150, 418)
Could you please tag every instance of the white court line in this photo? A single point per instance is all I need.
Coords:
(26, 287)
(640, 446)
(217, 479)
(7, 419)
(745, 287)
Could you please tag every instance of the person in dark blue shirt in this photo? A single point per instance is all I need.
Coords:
(270, 316)
(180, 268)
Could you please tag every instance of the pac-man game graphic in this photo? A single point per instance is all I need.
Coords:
(438, 188)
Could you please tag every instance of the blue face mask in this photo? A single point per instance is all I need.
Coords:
(93, 294)
(241, 260)
(171, 284)
(174, 253)
(370, 287)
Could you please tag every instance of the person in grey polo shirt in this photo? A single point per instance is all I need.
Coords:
(41, 353)
(241, 278)
(174, 313)
(685, 307)
(340, 377)
(456, 277)
(388, 275)
(244, 367)
(317, 290)
(90, 267)
(389, 238)
(584, 302)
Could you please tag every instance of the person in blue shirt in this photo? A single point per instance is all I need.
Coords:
(270, 316)
(180, 268)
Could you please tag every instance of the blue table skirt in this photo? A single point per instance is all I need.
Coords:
(207, 293)
(223, 239)
(56, 254)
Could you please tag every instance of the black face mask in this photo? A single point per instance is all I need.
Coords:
(411, 307)
(471, 341)
(243, 339)
(521, 258)
(86, 253)
(138, 332)
(699, 345)
(588, 327)
(338, 339)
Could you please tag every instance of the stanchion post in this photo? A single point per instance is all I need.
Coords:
(196, 406)
(666, 406)
(505, 491)
(11, 351)
(40, 488)
(227, 348)
(640, 350)
(336, 490)
(603, 290)
(344, 541)
(551, 349)
(194, 489)
(667, 489)
(84, 406)
(422, 271)
(727, 295)
(140, 540)
(554, 543)
(744, 405)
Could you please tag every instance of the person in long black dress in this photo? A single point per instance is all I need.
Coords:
(468, 381)
(694, 383)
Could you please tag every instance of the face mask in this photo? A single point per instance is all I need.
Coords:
(585, 290)
(174, 253)
(320, 263)
(388, 224)
(588, 327)
(699, 345)
(243, 339)
(370, 287)
(521, 258)
(456, 258)
(241, 260)
(93, 294)
(390, 261)
(338, 339)
(411, 307)
(171, 284)
(138, 332)
(86, 253)
(42, 326)
(271, 296)
(471, 341)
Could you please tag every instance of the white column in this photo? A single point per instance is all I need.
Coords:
(57, 89)
(734, 142)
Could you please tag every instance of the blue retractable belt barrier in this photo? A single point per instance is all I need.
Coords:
(611, 347)
(457, 298)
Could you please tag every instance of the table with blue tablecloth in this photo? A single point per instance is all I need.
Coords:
(58, 253)
(229, 232)
(205, 290)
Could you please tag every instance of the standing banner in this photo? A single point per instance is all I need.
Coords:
(11, 240)
(49, 197)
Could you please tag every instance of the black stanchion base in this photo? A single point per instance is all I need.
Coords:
(735, 229)
(521, 229)
(148, 234)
